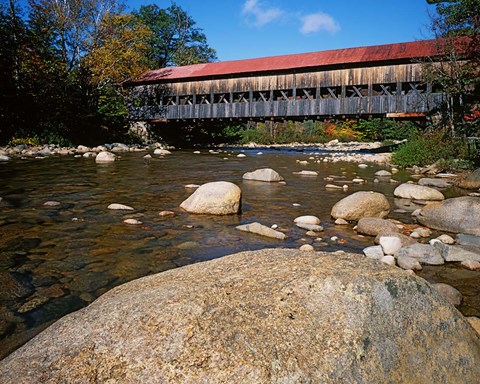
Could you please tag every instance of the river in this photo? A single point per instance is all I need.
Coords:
(57, 259)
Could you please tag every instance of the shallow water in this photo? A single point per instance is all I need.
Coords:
(54, 260)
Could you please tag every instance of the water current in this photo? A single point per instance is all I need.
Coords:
(57, 259)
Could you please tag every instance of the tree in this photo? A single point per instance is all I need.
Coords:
(12, 39)
(457, 26)
(176, 40)
(120, 51)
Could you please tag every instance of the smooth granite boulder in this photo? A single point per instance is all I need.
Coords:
(265, 174)
(215, 198)
(459, 215)
(361, 204)
(417, 192)
(267, 316)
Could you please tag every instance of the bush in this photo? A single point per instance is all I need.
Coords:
(428, 149)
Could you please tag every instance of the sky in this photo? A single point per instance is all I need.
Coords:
(243, 29)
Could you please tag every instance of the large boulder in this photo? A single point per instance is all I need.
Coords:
(459, 215)
(215, 198)
(264, 174)
(417, 192)
(472, 181)
(361, 204)
(256, 317)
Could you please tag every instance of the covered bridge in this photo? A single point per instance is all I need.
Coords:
(382, 80)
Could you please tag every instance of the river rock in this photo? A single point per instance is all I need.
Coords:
(215, 198)
(120, 207)
(341, 222)
(307, 248)
(372, 226)
(421, 232)
(458, 252)
(471, 264)
(132, 222)
(374, 252)
(161, 152)
(463, 239)
(452, 295)
(408, 263)
(119, 147)
(390, 244)
(423, 253)
(417, 192)
(105, 157)
(310, 227)
(458, 214)
(255, 317)
(4, 158)
(361, 204)
(446, 239)
(383, 173)
(389, 260)
(405, 240)
(264, 174)
(472, 181)
(261, 230)
(307, 219)
(437, 183)
(306, 173)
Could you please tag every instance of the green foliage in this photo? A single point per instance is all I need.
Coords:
(175, 39)
(61, 64)
(386, 129)
(311, 131)
(428, 149)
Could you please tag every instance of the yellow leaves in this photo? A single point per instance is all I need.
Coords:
(119, 52)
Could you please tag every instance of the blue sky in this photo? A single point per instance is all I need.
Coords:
(242, 29)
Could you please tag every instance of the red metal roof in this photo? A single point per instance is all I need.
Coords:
(370, 54)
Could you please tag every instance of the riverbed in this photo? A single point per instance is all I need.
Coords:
(58, 258)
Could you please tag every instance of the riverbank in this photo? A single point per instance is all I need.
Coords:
(334, 151)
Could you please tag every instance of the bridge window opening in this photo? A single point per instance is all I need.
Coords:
(356, 91)
(384, 89)
(186, 100)
(261, 96)
(306, 93)
(203, 99)
(330, 92)
(221, 98)
(240, 97)
(169, 100)
(282, 95)
(412, 88)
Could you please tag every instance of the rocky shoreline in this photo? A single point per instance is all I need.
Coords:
(333, 151)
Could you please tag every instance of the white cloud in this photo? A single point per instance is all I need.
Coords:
(316, 22)
(259, 14)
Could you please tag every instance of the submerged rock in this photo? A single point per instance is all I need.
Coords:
(262, 230)
(361, 204)
(257, 317)
(215, 198)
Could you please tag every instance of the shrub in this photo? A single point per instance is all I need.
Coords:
(428, 149)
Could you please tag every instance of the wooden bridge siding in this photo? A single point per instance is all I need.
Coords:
(375, 105)
(352, 76)
(317, 82)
